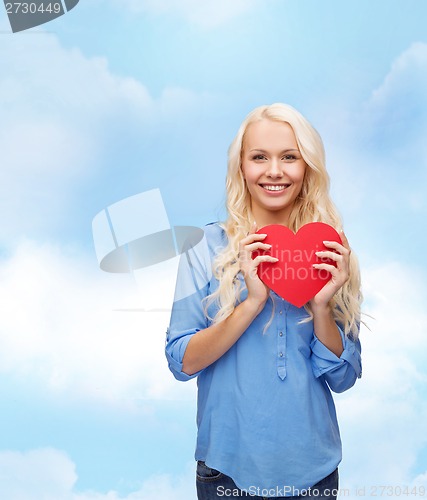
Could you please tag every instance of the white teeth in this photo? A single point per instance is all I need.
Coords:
(275, 188)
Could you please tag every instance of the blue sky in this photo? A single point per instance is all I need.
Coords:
(118, 97)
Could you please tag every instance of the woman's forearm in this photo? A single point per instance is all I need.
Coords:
(326, 329)
(208, 345)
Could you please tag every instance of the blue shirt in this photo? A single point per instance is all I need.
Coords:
(265, 416)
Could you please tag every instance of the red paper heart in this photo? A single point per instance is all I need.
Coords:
(293, 277)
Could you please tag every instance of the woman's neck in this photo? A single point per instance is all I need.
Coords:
(265, 219)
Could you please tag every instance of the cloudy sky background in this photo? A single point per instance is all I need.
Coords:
(118, 97)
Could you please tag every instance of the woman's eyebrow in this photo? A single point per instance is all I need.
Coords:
(284, 151)
(290, 149)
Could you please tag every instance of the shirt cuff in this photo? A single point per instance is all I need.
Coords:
(175, 355)
(326, 360)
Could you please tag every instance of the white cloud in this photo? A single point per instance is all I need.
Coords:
(402, 93)
(54, 102)
(207, 14)
(383, 417)
(40, 77)
(421, 480)
(395, 119)
(377, 149)
(61, 114)
(49, 474)
(395, 116)
(46, 474)
(68, 326)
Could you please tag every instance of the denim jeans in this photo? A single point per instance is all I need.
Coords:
(212, 484)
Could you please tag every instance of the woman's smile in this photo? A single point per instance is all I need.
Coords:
(275, 187)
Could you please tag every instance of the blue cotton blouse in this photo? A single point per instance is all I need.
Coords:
(265, 416)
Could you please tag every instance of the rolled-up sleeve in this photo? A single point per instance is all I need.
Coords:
(341, 372)
(175, 349)
(188, 316)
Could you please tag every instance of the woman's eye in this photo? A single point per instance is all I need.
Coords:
(289, 157)
(258, 157)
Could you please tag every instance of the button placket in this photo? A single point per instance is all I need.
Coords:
(281, 340)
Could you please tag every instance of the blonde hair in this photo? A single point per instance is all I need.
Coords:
(312, 205)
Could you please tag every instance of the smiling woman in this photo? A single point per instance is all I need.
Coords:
(267, 425)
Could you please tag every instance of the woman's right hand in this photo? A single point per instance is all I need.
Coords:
(257, 291)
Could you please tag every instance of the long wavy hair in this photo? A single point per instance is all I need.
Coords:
(313, 204)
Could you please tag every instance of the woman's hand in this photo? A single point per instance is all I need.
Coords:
(339, 274)
(257, 291)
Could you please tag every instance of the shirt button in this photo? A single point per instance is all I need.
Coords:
(280, 334)
(281, 354)
(280, 312)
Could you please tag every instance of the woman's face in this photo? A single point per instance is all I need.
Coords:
(273, 169)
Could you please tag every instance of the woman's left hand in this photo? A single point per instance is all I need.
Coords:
(339, 274)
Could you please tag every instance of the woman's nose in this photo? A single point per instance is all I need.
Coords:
(274, 169)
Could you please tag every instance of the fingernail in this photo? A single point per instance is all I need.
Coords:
(325, 242)
(269, 246)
